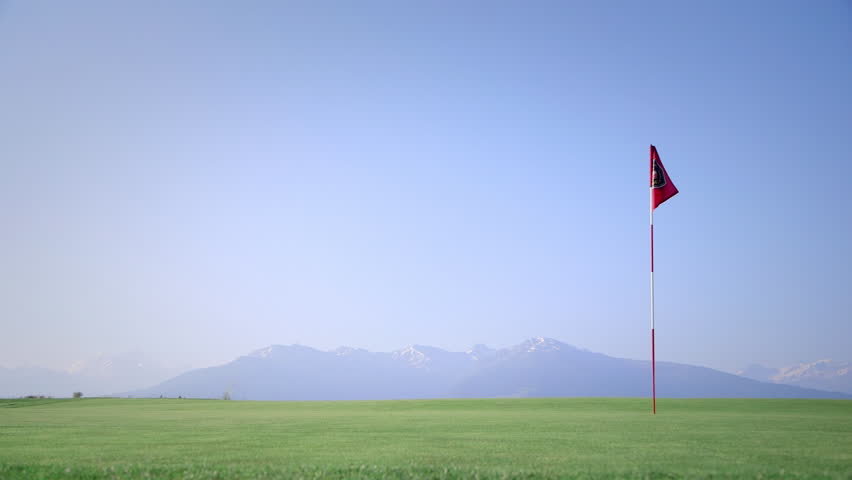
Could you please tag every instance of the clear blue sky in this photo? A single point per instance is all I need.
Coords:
(200, 179)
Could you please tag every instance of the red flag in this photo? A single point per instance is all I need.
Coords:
(663, 188)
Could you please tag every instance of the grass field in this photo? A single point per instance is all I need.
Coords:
(505, 438)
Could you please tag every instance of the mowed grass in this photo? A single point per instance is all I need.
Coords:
(495, 438)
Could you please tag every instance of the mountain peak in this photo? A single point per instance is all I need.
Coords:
(821, 368)
(341, 351)
(412, 355)
(275, 350)
(265, 352)
(824, 374)
(480, 351)
(541, 344)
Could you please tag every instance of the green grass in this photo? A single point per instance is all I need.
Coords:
(503, 438)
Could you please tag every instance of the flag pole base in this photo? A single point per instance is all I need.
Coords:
(653, 375)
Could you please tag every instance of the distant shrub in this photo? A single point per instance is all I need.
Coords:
(78, 394)
(226, 396)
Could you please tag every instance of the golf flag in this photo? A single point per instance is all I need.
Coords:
(661, 185)
(661, 189)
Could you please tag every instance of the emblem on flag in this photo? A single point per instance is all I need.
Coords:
(659, 178)
(662, 187)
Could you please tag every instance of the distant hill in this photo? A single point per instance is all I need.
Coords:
(822, 375)
(19, 382)
(540, 367)
(102, 375)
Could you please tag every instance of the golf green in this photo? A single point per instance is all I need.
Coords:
(493, 438)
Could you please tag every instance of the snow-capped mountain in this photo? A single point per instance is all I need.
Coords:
(538, 344)
(823, 374)
(434, 359)
(412, 356)
(538, 367)
(481, 352)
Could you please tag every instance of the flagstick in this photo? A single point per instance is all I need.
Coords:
(653, 360)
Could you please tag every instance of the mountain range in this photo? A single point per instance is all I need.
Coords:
(534, 368)
(539, 367)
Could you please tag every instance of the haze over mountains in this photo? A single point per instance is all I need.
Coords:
(102, 375)
(539, 367)
(823, 374)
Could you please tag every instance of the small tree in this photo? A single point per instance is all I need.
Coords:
(78, 394)
(226, 396)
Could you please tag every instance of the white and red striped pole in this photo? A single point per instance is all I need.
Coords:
(653, 359)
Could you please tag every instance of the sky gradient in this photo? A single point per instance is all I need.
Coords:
(196, 180)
